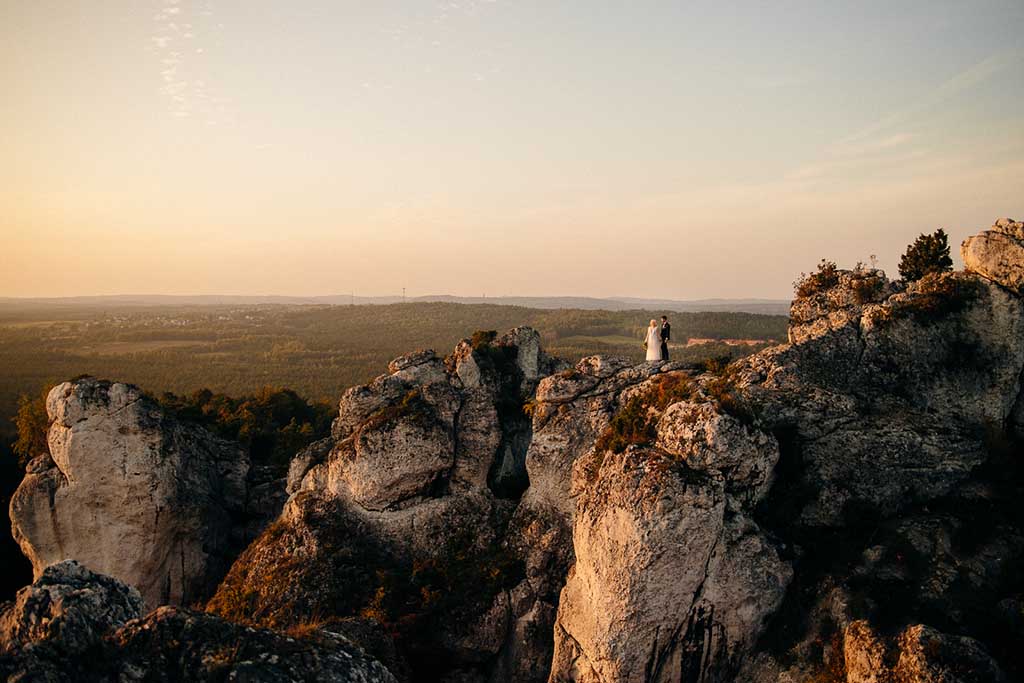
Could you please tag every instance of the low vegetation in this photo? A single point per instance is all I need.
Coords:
(636, 422)
(867, 284)
(411, 405)
(273, 424)
(935, 296)
(414, 599)
(824, 278)
(928, 255)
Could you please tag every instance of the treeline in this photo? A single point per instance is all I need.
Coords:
(272, 424)
(317, 351)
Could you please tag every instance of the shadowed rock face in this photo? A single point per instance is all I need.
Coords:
(132, 493)
(843, 507)
(403, 514)
(72, 624)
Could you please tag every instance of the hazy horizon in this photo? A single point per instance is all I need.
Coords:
(653, 150)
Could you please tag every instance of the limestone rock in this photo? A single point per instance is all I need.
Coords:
(398, 459)
(73, 624)
(173, 644)
(69, 609)
(665, 586)
(928, 656)
(998, 254)
(417, 483)
(131, 493)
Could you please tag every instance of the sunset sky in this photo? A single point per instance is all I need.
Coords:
(656, 149)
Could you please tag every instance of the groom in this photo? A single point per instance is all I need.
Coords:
(666, 334)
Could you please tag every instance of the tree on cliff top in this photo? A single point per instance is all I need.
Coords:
(32, 423)
(928, 254)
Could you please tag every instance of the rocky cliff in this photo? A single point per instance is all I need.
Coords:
(131, 492)
(839, 508)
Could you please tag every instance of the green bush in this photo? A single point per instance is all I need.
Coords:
(32, 424)
(928, 254)
(482, 338)
(273, 424)
(867, 285)
(936, 296)
(826, 277)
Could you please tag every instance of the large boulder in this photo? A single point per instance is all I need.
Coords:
(132, 493)
(998, 254)
(67, 609)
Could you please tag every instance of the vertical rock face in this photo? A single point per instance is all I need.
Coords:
(132, 493)
(673, 579)
(404, 514)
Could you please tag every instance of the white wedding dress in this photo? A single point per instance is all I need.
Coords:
(653, 343)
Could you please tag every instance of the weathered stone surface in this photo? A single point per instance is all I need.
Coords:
(73, 624)
(720, 445)
(131, 493)
(417, 484)
(998, 254)
(864, 654)
(669, 583)
(68, 609)
(928, 656)
(393, 462)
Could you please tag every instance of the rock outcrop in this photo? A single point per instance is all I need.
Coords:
(403, 515)
(744, 503)
(843, 507)
(75, 625)
(133, 493)
(998, 254)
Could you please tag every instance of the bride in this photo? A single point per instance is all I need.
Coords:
(652, 342)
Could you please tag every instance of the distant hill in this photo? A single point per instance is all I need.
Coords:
(762, 306)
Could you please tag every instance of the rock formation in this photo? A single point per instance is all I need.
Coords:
(403, 513)
(998, 254)
(842, 507)
(74, 625)
(133, 493)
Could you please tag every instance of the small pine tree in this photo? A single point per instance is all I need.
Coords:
(928, 254)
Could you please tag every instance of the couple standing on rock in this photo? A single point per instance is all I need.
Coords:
(656, 341)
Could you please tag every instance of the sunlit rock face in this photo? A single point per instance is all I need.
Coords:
(998, 254)
(811, 490)
(132, 493)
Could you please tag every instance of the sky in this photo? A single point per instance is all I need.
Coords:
(500, 147)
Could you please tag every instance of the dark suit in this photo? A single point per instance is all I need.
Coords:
(666, 334)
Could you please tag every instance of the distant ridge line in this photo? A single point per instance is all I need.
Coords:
(752, 305)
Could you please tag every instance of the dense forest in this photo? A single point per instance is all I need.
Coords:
(268, 376)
